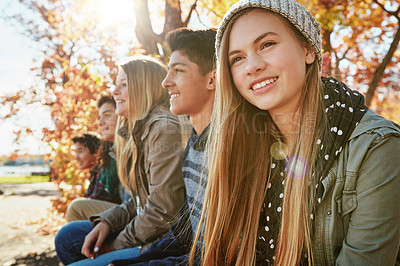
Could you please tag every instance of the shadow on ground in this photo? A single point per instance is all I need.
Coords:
(48, 258)
(24, 190)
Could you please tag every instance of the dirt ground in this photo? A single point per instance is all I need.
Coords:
(24, 209)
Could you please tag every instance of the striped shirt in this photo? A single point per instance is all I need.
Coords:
(195, 175)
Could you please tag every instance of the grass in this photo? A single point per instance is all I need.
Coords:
(23, 179)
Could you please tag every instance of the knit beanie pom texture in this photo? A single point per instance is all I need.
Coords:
(297, 14)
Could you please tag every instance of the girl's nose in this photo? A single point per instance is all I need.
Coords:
(116, 90)
(255, 63)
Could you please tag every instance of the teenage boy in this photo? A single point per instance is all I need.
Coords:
(86, 147)
(191, 84)
(104, 191)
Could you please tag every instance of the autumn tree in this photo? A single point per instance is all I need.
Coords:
(362, 37)
(389, 61)
(77, 63)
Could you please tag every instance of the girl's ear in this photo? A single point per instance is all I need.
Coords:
(211, 80)
(310, 55)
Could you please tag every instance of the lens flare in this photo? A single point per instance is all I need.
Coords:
(279, 150)
(297, 167)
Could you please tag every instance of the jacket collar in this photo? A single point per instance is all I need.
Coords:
(366, 125)
(142, 126)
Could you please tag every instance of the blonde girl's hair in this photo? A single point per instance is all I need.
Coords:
(240, 166)
(144, 77)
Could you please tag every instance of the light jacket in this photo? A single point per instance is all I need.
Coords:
(161, 189)
(358, 220)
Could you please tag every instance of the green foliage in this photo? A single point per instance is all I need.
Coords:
(24, 179)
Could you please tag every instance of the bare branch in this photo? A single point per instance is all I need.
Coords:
(198, 15)
(192, 8)
(393, 13)
(345, 53)
(382, 66)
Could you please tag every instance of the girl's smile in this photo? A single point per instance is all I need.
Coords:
(260, 87)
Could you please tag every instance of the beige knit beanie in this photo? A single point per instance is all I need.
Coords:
(297, 14)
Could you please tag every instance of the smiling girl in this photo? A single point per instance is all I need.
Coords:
(300, 170)
(149, 156)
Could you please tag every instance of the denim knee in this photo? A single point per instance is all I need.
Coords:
(69, 241)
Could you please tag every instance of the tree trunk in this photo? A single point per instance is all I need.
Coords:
(327, 47)
(144, 31)
(173, 14)
(381, 68)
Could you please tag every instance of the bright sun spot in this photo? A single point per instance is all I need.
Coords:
(114, 18)
(113, 12)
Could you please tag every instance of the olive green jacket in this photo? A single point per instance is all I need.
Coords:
(358, 220)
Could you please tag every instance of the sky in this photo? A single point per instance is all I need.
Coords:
(16, 55)
(16, 58)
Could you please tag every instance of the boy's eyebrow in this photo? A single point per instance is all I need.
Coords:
(107, 111)
(175, 64)
(260, 37)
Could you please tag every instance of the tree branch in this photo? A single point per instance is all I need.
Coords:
(393, 13)
(192, 8)
(198, 15)
(382, 66)
(345, 53)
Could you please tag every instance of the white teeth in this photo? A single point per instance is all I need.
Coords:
(174, 95)
(263, 83)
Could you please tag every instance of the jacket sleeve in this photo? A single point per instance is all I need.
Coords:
(163, 147)
(374, 227)
(117, 217)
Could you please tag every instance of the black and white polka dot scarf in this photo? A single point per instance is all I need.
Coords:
(344, 109)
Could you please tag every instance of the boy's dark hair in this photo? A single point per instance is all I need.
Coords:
(89, 140)
(197, 45)
(105, 97)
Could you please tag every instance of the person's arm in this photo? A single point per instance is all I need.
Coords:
(117, 217)
(105, 224)
(163, 146)
(374, 229)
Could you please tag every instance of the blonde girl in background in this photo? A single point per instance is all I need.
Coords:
(300, 170)
(149, 156)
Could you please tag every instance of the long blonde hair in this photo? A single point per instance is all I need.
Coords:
(240, 166)
(144, 77)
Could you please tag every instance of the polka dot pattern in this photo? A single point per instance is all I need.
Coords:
(270, 216)
(344, 109)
